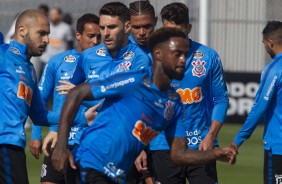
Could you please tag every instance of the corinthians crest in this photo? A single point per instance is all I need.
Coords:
(198, 68)
(278, 179)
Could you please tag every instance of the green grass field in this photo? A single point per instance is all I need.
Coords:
(247, 170)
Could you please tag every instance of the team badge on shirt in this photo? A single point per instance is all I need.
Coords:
(101, 52)
(198, 68)
(69, 59)
(15, 50)
(169, 110)
(198, 55)
(124, 66)
(128, 55)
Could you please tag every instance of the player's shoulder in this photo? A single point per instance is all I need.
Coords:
(58, 57)
(274, 66)
(3, 49)
(201, 50)
(135, 53)
(97, 51)
(136, 49)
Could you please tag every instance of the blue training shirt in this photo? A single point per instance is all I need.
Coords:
(204, 96)
(19, 95)
(60, 67)
(134, 112)
(96, 62)
(144, 49)
(267, 104)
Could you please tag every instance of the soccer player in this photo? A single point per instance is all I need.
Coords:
(143, 22)
(19, 93)
(61, 67)
(115, 54)
(267, 104)
(204, 96)
(110, 145)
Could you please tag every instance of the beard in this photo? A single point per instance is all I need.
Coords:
(32, 48)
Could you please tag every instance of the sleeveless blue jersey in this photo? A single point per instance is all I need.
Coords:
(19, 95)
(204, 96)
(60, 67)
(134, 112)
(267, 104)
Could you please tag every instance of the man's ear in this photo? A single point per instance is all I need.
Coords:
(77, 35)
(127, 27)
(158, 53)
(22, 31)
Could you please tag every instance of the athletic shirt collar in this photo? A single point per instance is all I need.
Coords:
(19, 49)
(278, 56)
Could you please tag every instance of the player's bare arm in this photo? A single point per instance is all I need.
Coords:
(182, 155)
(208, 142)
(70, 108)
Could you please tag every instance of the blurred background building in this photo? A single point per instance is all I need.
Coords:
(233, 30)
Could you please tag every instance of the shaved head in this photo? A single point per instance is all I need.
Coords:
(28, 18)
(32, 28)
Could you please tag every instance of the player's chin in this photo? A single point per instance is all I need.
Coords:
(179, 76)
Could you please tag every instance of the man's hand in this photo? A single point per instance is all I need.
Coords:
(59, 158)
(91, 113)
(234, 146)
(226, 154)
(65, 87)
(207, 143)
(51, 138)
(141, 162)
(35, 148)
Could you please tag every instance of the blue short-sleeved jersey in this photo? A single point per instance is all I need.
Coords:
(19, 95)
(268, 104)
(96, 62)
(204, 95)
(60, 67)
(145, 49)
(128, 120)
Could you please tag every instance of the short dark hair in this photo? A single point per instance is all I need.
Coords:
(116, 9)
(176, 12)
(86, 18)
(141, 7)
(273, 30)
(44, 7)
(164, 34)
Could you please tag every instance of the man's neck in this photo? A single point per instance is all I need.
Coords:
(114, 52)
(160, 79)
